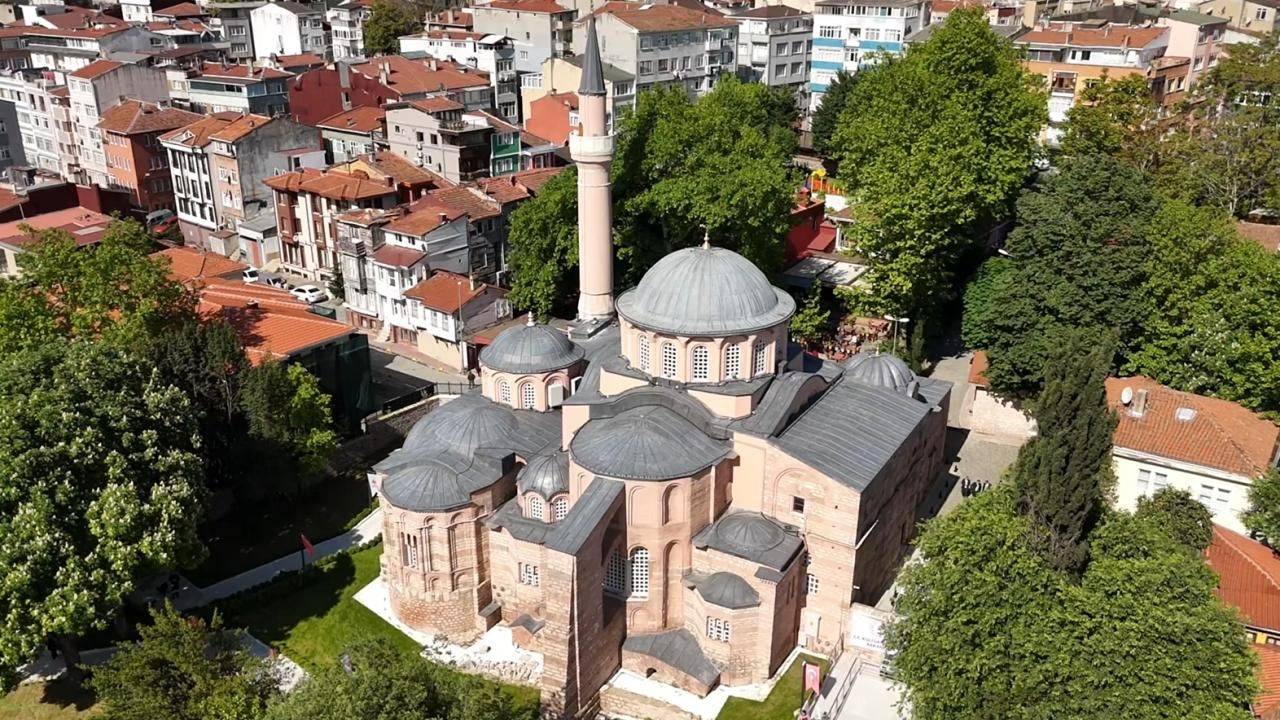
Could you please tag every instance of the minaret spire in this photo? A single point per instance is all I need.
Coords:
(591, 146)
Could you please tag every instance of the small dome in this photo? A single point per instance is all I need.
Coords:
(530, 348)
(705, 291)
(881, 370)
(426, 487)
(547, 475)
(649, 442)
(462, 426)
(751, 533)
(728, 591)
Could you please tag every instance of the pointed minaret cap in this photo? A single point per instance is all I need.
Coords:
(592, 69)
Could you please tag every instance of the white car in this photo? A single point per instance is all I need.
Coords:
(309, 293)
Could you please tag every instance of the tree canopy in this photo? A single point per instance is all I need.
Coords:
(934, 146)
(286, 406)
(1263, 515)
(720, 166)
(1115, 117)
(388, 20)
(824, 119)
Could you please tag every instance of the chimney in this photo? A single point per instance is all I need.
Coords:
(384, 73)
(472, 279)
(1139, 403)
(433, 65)
(444, 218)
(344, 76)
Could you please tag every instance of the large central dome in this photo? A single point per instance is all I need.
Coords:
(705, 291)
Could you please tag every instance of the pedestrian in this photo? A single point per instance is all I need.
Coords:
(471, 378)
(53, 648)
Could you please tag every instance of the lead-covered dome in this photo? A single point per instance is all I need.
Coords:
(461, 426)
(428, 486)
(645, 443)
(530, 348)
(547, 475)
(728, 591)
(880, 370)
(705, 291)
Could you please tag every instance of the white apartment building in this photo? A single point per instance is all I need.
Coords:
(288, 28)
(99, 86)
(190, 166)
(1211, 448)
(67, 41)
(29, 91)
(492, 54)
(539, 29)
(666, 44)
(774, 45)
(346, 22)
(848, 34)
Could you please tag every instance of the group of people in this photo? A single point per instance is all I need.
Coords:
(969, 488)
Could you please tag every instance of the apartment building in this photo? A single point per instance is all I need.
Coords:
(29, 91)
(135, 158)
(358, 131)
(999, 13)
(187, 33)
(308, 202)
(93, 89)
(437, 134)
(848, 34)
(69, 40)
(1252, 17)
(1071, 58)
(665, 44)
(218, 165)
(284, 27)
(346, 21)
(233, 18)
(563, 76)
(539, 29)
(11, 152)
(774, 47)
(448, 309)
(512, 149)
(491, 54)
(219, 87)
(1196, 36)
(324, 92)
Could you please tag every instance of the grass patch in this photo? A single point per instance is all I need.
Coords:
(251, 536)
(783, 700)
(315, 621)
(57, 700)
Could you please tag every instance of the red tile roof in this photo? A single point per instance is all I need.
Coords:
(85, 226)
(647, 17)
(1218, 433)
(198, 133)
(398, 256)
(1267, 705)
(1248, 577)
(241, 71)
(1268, 236)
(517, 186)
(460, 200)
(423, 220)
(285, 61)
(360, 119)
(437, 103)
(135, 117)
(1109, 36)
(399, 169)
(529, 6)
(271, 322)
(96, 68)
(333, 185)
(188, 265)
(452, 35)
(242, 126)
(416, 76)
(447, 292)
(185, 9)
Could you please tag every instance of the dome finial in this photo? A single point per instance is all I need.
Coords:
(706, 238)
(530, 321)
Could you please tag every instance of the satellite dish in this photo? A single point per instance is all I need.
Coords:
(1126, 396)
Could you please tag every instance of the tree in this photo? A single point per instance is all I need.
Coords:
(1263, 515)
(934, 145)
(337, 286)
(720, 167)
(1062, 475)
(388, 20)
(183, 668)
(811, 323)
(100, 485)
(376, 681)
(1180, 516)
(825, 118)
(285, 405)
(987, 630)
(1116, 118)
(1079, 257)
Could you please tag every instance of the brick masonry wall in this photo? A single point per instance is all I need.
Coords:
(614, 701)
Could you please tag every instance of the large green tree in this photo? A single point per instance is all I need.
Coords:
(285, 405)
(934, 146)
(1117, 118)
(1180, 516)
(1077, 261)
(1062, 475)
(718, 167)
(987, 630)
(183, 668)
(1263, 515)
(100, 485)
(388, 20)
(825, 118)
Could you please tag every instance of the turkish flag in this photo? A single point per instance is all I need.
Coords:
(307, 546)
(812, 677)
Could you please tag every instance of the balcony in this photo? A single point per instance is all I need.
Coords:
(590, 148)
(506, 75)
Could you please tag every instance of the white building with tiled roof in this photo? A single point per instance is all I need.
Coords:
(288, 28)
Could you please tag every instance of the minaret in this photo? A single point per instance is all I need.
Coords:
(591, 146)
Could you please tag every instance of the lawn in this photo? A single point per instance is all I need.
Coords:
(57, 700)
(782, 702)
(249, 537)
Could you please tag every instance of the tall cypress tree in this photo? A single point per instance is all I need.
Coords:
(1062, 475)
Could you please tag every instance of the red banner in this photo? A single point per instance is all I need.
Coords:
(307, 546)
(812, 677)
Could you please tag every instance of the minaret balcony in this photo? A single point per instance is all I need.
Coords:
(589, 148)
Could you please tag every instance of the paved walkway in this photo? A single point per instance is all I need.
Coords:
(368, 529)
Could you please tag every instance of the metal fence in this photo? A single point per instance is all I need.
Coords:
(401, 402)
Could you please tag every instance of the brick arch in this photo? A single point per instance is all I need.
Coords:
(781, 506)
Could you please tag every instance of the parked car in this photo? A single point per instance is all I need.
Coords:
(309, 293)
(250, 275)
(253, 275)
(164, 225)
(155, 217)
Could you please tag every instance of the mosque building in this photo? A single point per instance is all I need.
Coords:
(672, 488)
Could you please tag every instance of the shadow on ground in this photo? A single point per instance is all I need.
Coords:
(64, 693)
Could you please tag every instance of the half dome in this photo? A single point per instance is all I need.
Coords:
(705, 291)
(880, 370)
(530, 349)
(645, 443)
(426, 487)
(547, 475)
(461, 427)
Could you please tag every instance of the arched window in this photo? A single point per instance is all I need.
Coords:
(537, 510)
(615, 574)
(504, 392)
(701, 363)
(527, 396)
(732, 362)
(559, 508)
(760, 356)
(640, 572)
(668, 360)
(643, 342)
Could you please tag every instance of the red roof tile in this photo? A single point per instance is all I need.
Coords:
(460, 200)
(398, 256)
(529, 6)
(271, 323)
(1267, 704)
(1248, 577)
(416, 76)
(1218, 433)
(85, 226)
(134, 117)
(187, 264)
(285, 61)
(360, 119)
(96, 68)
(333, 185)
(241, 71)
(181, 10)
(647, 17)
(437, 103)
(1109, 36)
(446, 292)
(423, 220)
(198, 133)
(240, 127)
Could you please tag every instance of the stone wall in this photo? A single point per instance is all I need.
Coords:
(618, 702)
